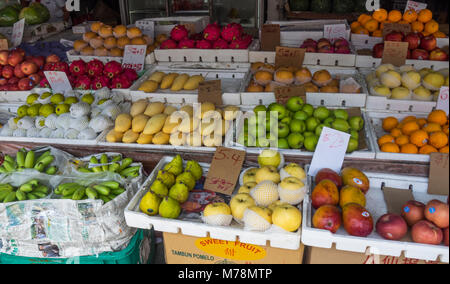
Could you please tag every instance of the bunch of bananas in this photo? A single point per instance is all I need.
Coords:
(105, 191)
(27, 160)
(31, 190)
(115, 165)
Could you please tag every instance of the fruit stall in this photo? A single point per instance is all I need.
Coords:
(318, 137)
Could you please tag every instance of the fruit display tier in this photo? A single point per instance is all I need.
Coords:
(377, 207)
(72, 55)
(135, 218)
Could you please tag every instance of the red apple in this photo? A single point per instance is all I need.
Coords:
(378, 50)
(3, 81)
(310, 49)
(437, 212)
(20, 51)
(438, 55)
(25, 84)
(413, 40)
(13, 81)
(392, 227)
(310, 42)
(408, 54)
(18, 71)
(13, 88)
(413, 212)
(341, 42)
(394, 36)
(419, 54)
(15, 58)
(4, 57)
(29, 67)
(446, 237)
(426, 232)
(329, 174)
(323, 42)
(36, 78)
(8, 72)
(428, 43)
(53, 58)
(39, 61)
(343, 49)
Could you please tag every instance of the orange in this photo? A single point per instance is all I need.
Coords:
(425, 16)
(403, 22)
(409, 118)
(409, 127)
(432, 127)
(424, 33)
(377, 33)
(438, 116)
(422, 122)
(380, 15)
(355, 25)
(361, 31)
(410, 16)
(427, 149)
(439, 35)
(419, 138)
(371, 25)
(438, 139)
(417, 26)
(445, 129)
(396, 133)
(390, 148)
(364, 18)
(395, 16)
(444, 150)
(409, 149)
(390, 123)
(432, 27)
(402, 140)
(386, 139)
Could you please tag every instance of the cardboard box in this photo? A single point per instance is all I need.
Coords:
(314, 255)
(180, 249)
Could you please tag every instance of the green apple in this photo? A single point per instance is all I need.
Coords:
(57, 99)
(31, 99)
(283, 143)
(286, 120)
(295, 104)
(354, 134)
(340, 113)
(283, 130)
(271, 122)
(319, 130)
(308, 133)
(22, 111)
(296, 140)
(297, 126)
(46, 110)
(308, 109)
(71, 100)
(356, 123)
(311, 143)
(273, 139)
(328, 122)
(260, 108)
(62, 108)
(88, 98)
(312, 123)
(341, 125)
(262, 142)
(280, 111)
(321, 113)
(353, 145)
(33, 110)
(301, 115)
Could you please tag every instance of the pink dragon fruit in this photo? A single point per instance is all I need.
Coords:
(100, 82)
(44, 83)
(238, 26)
(220, 44)
(310, 42)
(95, 68)
(341, 42)
(231, 32)
(120, 82)
(212, 32)
(248, 39)
(112, 69)
(169, 44)
(179, 32)
(196, 37)
(78, 68)
(49, 67)
(131, 74)
(343, 49)
(186, 43)
(203, 44)
(72, 80)
(62, 67)
(238, 44)
(83, 83)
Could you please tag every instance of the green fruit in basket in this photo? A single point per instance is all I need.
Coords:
(46, 95)
(150, 204)
(300, 115)
(297, 126)
(169, 208)
(56, 99)
(340, 113)
(311, 124)
(308, 109)
(91, 193)
(167, 178)
(175, 166)
(328, 122)
(159, 188)
(71, 100)
(11, 197)
(356, 123)
(296, 140)
(179, 192)
(354, 134)
(187, 179)
(319, 129)
(353, 145)
(62, 108)
(88, 98)
(46, 110)
(260, 108)
(311, 143)
(283, 143)
(195, 169)
(22, 111)
(295, 104)
(33, 110)
(31, 99)
(321, 113)
(341, 125)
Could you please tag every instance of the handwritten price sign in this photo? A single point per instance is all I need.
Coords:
(330, 151)
(288, 56)
(416, 6)
(58, 81)
(17, 34)
(395, 53)
(210, 91)
(442, 102)
(334, 32)
(225, 169)
(270, 37)
(134, 57)
(283, 94)
(439, 174)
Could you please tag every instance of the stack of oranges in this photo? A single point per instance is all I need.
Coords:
(373, 25)
(415, 135)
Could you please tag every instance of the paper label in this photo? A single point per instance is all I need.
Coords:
(330, 151)
(270, 37)
(58, 81)
(334, 32)
(396, 198)
(289, 56)
(225, 170)
(147, 27)
(210, 91)
(395, 53)
(438, 178)
(231, 250)
(283, 94)
(416, 6)
(4, 44)
(442, 102)
(134, 57)
(17, 34)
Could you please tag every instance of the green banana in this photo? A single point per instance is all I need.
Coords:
(94, 161)
(46, 154)
(67, 197)
(102, 190)
(52, 170)
(20, 159)
(118, 191)
(116, 159)
(40, 194)
(9, 159)
(105, 198)
(4, 194)
(26, 188)
(130, 172)
(29, 160)
(31, 196)
(33, 182)
(84, 170)
(111, 184)
(44, 163)
(71, 190)
(91, 193)
(9, 167)
(125, 164)
(10, 198)
(3, 170)
(114, 167)
(6, 186)
(41, 188)
(104, 161)
(21, 196)
(79, 194)
(59, 190)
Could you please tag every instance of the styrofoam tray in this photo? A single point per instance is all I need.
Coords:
(368, 42)
(198, 23)
(375, 122)
(325, 99)
(367, 61)
(311, 58)
(231, 75)
(136, 219)
(72, 55)
(376, 205)
(12, 97)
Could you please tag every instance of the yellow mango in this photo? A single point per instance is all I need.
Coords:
(171, 125)
(193, 82)
(138, 107)
(168, 80)
(169, 110)
(149, 87)
(187, 109)
(155, 124)
(123, 123)
(145, 139)
(179, 82)
(161, 138)
(139, 122)
(154, 109)
(157, 77)
(114, 136)
(130, 137)
(231, 113)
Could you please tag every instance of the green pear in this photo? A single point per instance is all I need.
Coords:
(195, 169)
(33, 110)
(88, 98)
(169, 208)
(46, 95)
(167, 178)
(179, 192)
(150, 204)
(22, 111)
(71, 100)
(175, 166)
(46, 110)
(31, 99)
(187, 179)
(62, 108)
(57, 99)
(102, 101)
(159, 188)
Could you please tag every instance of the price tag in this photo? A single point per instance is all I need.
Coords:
(147, 27)
(438, 178)
(395, 27)
(270, 37)
(442, 102)
(416, 6)
(210, 91)
(289, 56)
(225, 170)
(4, 44)
(17, 33)
(395, 53)
(58, 81)
(330, 151)
(134, 57)
(395, 198)
(334, 32)
(283, 94)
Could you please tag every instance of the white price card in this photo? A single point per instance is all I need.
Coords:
(147, 27)
(334, 32)
(58, 81)
(442, 102)
(17, 34)
(416, 6)
(134, 57)
(330, 151)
